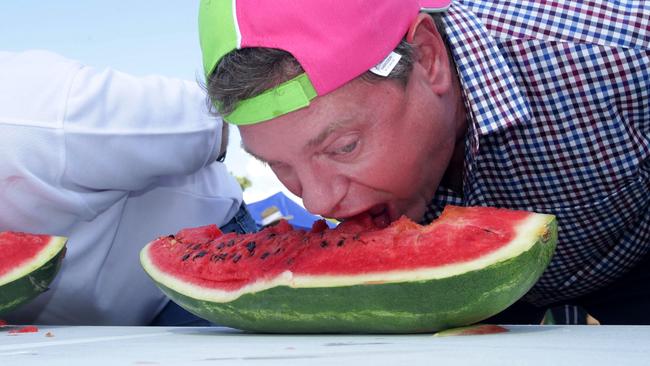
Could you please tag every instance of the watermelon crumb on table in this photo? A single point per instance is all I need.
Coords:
(28, 264)
(478, 329)
(25, 329)
(469, 264)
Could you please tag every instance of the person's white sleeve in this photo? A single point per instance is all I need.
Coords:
(123, 132)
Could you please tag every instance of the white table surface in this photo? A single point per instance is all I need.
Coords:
(522, 345)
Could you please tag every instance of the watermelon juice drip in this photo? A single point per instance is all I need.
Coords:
(206, 257)
(19, 248)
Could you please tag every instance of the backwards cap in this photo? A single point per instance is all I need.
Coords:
(334, 41)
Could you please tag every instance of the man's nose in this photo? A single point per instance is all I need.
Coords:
(322, 193)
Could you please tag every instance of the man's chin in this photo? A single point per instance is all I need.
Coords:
(416, 213)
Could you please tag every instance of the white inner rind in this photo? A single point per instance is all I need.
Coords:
(527, 234)
(52, 248)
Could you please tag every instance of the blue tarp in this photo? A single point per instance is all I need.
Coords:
(300, 218)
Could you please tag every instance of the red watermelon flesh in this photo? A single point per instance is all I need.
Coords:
(205, 257)
(406, 245)
(18, 248)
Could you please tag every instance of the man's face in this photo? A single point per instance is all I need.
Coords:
(379, 147)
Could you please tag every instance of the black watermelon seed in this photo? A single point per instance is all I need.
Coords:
(221, 245)
(250, 247)
(200, 254)
(170, 236)
(236, 258)
(266, 254)
(271, 236)
(278, 250)
(230, 243)
(197, 246)
(340, 243)
(324, 244)
(185, 257)
(219, 257)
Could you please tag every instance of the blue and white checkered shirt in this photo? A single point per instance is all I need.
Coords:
(558, 98)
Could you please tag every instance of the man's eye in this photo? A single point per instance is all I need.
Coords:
(346, 149)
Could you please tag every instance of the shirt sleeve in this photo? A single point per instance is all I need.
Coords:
(123, 132)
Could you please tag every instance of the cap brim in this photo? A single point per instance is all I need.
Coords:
(434, 6)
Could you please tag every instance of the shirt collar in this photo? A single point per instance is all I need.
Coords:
(492, 97)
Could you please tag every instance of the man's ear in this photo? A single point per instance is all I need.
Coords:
(431, 53)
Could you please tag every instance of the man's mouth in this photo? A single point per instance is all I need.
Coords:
(380, 215)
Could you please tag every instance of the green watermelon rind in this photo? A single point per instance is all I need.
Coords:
(25, 282)
(424, 305)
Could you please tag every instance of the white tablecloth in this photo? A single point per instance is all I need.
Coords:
(522, 345)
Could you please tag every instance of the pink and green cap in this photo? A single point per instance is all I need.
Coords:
(334, 41)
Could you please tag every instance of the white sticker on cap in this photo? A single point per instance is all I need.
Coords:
(387, 65)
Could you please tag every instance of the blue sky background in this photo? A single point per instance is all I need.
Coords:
(141, 37)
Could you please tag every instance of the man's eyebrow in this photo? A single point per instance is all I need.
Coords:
(258, 158)
(328, 130)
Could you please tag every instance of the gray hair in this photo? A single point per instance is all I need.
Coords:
(247, 72)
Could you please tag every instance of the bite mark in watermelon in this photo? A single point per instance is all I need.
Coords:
(28, 264)
(468, 265)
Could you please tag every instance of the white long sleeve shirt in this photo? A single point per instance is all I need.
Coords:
(111, 161)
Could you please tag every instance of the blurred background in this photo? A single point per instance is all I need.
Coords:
(140, 37)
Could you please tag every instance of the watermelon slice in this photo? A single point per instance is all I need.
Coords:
(28, 264)
(468, 265)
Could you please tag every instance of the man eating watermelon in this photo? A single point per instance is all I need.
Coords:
(401, 107)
